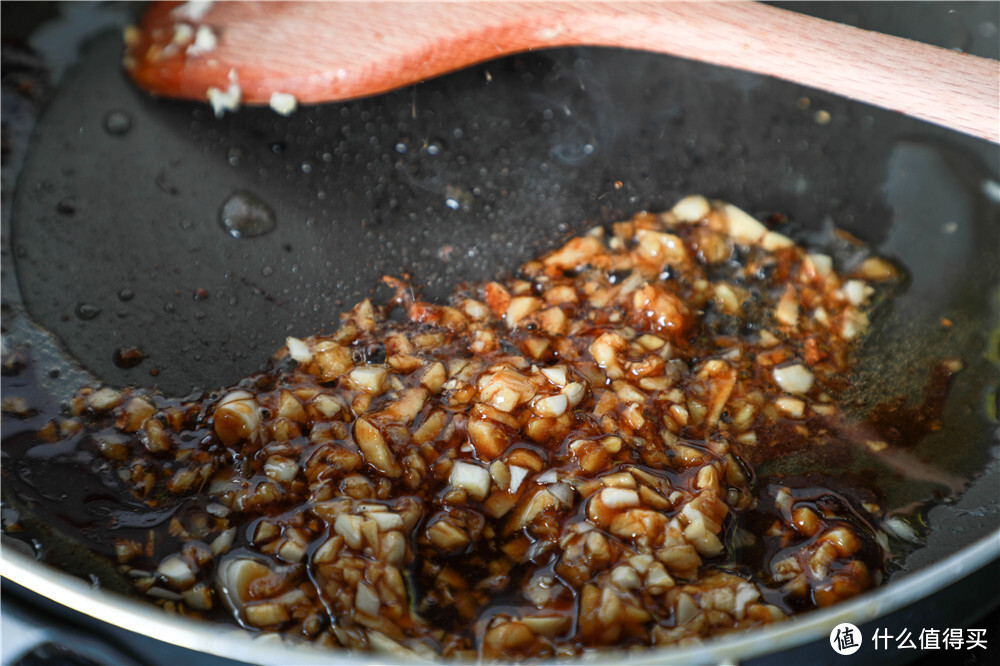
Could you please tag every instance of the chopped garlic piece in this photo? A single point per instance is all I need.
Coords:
(556, 374)
(204, 41)
(283, 103)
(742, 226)
(298, 350)
(176, 571)
(228, 99)
(517, 476)
(822, 263)
(856, 291)
(795, 378)
(690, 209)
(183, 33)
(192, 11)
(619, 498)
(473, 479)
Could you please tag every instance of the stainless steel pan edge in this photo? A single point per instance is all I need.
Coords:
(232, 643)
(810, 630)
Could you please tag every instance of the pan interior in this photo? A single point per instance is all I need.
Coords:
(118, 232)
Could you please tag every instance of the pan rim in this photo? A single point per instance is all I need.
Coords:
(145, 618)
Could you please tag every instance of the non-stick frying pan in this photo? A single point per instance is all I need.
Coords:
(121, 237)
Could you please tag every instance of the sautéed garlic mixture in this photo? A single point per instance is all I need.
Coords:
(550, 464)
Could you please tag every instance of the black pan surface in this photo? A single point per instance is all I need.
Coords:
(118, 238)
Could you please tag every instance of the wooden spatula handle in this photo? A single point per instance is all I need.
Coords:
(948, 88)
(322, 52)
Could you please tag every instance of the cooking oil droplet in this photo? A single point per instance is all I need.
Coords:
(117, 123)
(125, 295)
(243, 215)
(457, 197)
(87, 311)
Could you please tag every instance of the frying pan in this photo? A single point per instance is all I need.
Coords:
(115, 238)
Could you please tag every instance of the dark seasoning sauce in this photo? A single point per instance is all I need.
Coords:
(267, 521)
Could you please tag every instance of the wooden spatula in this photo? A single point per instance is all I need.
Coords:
(312, 52)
